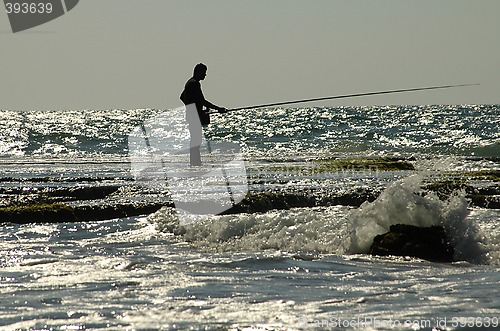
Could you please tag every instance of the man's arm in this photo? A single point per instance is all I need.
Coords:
(210, 105)
(204, 102)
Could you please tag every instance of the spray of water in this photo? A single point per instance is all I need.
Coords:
(404, 202)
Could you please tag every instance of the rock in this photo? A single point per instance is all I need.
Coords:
(429, 243)
(37, 212)
(82, 212)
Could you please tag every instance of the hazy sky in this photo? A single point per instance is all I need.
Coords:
(139, 53)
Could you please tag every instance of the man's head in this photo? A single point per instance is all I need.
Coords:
(200, 71)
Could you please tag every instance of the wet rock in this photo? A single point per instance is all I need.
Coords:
(429, 243)
(87, 193)
(482, 196)
(258, 202)
(60, 212)
(38, 212)
(107, 211)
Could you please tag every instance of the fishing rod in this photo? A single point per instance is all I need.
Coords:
(350, 96)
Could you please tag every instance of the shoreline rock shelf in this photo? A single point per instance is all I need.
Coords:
(50, 199)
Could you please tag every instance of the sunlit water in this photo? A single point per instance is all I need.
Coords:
(279, 270)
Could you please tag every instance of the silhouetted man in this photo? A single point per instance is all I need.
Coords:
(193, 98)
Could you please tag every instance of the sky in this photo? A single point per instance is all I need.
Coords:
(127, 54)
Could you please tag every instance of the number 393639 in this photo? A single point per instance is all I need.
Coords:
(29, 8)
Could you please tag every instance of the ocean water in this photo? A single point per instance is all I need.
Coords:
(299, 268)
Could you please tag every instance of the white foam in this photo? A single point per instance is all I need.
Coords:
(404, 202)
(336, 229)
(295, 230)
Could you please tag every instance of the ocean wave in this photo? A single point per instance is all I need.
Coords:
(338, 229)
(317, 229)
(404, 202)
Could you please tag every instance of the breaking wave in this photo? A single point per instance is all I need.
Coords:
(317, 229)
(405, 202)
(336, 229)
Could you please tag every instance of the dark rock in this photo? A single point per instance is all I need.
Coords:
(40, 212)
(485, 197)
(429, 243)
(87, 193)
(59, 212)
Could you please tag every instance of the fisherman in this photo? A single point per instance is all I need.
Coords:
(196, 115)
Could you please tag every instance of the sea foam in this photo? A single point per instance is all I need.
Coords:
(334, 229)
(405, 202)
(317, 229)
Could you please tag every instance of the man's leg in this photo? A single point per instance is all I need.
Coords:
(195, 132)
